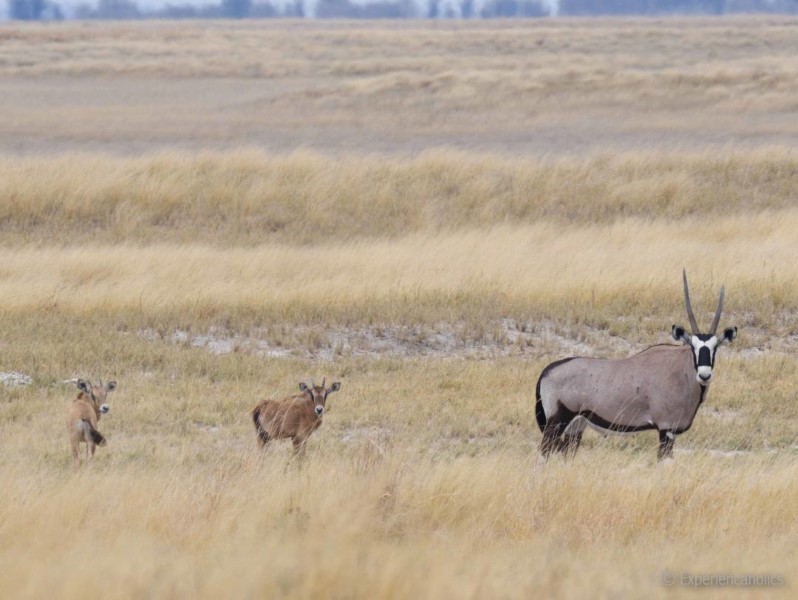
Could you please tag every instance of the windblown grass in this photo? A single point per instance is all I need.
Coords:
(247, 198)
(596, 274)
(494, 525)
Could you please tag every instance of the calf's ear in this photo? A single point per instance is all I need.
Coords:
(729, 334)
(110, 386)
(335, 387)
(83, 386)
(303, 387)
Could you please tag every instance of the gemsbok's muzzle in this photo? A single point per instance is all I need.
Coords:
(704, 375)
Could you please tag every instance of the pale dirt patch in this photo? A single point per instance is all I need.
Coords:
(507, 337)
(504, 338)
(14, 378)
(722, 415)
(370, 433)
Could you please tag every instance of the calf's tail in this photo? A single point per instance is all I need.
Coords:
(96, 436)
(264, 437)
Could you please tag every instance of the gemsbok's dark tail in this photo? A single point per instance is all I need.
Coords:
(264, 437)
(96, 436)
(540, 414)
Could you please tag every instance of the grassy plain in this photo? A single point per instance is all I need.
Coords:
(531, 86)
(435, 285)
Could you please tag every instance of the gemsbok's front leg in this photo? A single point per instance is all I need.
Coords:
(666, 440)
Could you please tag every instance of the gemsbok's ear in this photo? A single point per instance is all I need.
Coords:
(110, 386)
(729, 334)
(680, 334)
(83, 386)
(334, 387)
(303, 387)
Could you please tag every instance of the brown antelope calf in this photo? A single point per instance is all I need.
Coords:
(83, 413)
(294, 417)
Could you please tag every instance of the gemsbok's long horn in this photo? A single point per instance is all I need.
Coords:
(689, 307)
(323, 381)
(714, 328)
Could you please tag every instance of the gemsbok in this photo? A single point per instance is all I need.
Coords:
(659, 388)
(295, 417)
(83, 413)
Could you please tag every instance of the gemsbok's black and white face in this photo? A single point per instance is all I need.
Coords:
(703, 345)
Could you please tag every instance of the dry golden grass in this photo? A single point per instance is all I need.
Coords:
(585, 272)
(436, 286)
(479, 527)
(248, 197)
(424, 480)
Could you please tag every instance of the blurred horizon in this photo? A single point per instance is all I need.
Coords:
(55, 10)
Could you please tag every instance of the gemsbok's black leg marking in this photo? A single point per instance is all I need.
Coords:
(666, 440)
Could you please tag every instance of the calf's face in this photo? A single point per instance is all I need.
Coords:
(318, 395)
(97, 394)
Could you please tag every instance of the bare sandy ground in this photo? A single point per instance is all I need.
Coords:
(118, 115)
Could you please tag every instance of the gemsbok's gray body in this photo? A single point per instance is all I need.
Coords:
(660, 388)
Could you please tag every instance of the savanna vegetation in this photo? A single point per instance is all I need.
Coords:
(205, 269)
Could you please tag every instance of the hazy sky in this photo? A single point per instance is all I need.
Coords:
(68, 6)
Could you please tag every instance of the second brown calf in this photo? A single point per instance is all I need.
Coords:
(295, 417)
(83, 413)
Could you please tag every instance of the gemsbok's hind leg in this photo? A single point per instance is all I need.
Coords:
(551, 438)
(552, 434)
(572, 436)
(571, 443)
(666, 439)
